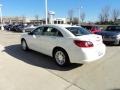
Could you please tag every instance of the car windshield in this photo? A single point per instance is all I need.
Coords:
(113, 28)
(78, 31)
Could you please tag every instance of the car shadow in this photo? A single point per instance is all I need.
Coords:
(36, 59)
(112, 45)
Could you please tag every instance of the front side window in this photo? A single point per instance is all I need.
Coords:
(50, 31)
(38, 31)
(78, 31)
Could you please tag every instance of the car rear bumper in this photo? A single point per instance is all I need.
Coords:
(88, 55)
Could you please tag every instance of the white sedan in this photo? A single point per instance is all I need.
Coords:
(65, 43)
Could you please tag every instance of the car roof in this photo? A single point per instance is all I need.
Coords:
(61, 25)
(62, 28)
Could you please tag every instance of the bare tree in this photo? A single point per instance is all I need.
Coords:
(75, 21)
(37, 17)
(115, 14)
(104, 15)
(16, 20)
(105, 12)
(23, 19)
(82, 16)
(101, 17)
(71, 15)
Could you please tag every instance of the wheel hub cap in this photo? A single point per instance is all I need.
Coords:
(60, 57)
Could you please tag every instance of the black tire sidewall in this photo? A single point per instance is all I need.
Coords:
(23, 41)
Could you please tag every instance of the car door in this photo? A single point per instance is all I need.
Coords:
(33, 39)
(50, 38)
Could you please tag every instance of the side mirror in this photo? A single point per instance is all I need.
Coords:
(30, 33)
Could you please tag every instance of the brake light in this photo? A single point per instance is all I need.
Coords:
(84, 44)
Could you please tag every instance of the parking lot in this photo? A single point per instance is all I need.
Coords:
(30, 70)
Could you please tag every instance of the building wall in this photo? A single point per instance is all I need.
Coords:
(12, 20)
(118, 21)
(17, 20)
(60, 21)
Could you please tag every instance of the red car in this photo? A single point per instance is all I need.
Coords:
(93, 29)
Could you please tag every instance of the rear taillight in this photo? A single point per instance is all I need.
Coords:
(84, 44)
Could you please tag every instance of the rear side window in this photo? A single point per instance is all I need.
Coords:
(50, 31)
(78, 31)
(87, 27)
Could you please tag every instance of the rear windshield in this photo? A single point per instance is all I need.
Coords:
(78, 31)
(90, 27)
(87, 27)
(113, 28)
(97, 27)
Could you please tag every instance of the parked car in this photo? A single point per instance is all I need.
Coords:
(65, 43)
(8, 27)
(29, 28)
(17, 28)
(92, 28)
(111, 35)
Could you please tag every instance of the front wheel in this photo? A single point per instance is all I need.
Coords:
(61, 57)
(24, 45)
(119, 43)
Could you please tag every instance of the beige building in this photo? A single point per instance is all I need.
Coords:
(60, 21)
(118, 21)
(17, 20)
(55, 21)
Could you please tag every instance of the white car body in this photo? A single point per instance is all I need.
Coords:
(46, 44)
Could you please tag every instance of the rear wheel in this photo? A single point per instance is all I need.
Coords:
(24, 45)
(119, 43)
(61, 57)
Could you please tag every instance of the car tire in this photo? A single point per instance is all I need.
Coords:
(61, 57)
(24, 45)
(23, 31)
(118, 43)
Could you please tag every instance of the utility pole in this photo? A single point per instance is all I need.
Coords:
(46, 12)
(79, 11)
(79, 16)
(1, 18)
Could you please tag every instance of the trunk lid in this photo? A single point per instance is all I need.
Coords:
(95, 39)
